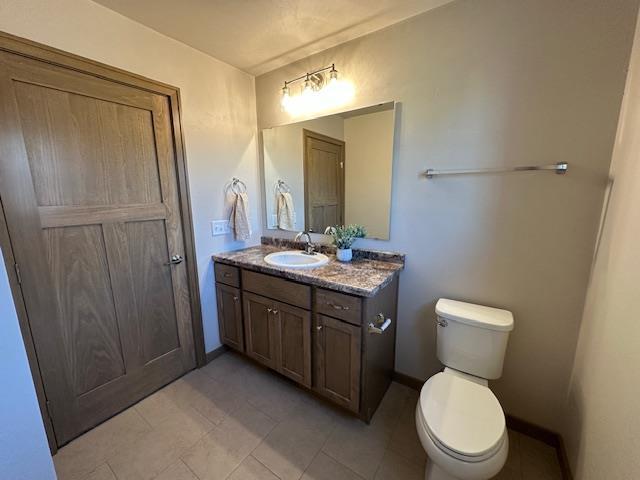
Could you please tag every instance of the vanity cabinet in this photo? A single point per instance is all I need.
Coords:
(230, 316)
(279, 336)
(337, 361)
(261, 326)
(328, 341)
(229, 298)
(295, 343)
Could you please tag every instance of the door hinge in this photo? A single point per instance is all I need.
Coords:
(48, 405)
(18, 273)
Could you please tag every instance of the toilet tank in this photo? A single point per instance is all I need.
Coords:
(472, 338)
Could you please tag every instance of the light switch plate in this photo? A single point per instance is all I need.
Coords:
(220, 227)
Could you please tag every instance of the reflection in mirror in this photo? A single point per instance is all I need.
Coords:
(333, 170)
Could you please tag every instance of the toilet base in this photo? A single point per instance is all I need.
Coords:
(434, 472)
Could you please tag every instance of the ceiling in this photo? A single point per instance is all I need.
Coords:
(258, 36)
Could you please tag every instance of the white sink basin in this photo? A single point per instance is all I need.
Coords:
(296, 259)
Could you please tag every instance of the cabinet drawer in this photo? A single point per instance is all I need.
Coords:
(339, 305)
(227, 274)
(277, 288)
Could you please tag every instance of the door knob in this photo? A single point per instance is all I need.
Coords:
(175, 260)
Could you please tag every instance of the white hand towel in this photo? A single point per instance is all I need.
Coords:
(240, 217)
(286, 212)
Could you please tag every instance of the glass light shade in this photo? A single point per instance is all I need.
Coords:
(284, 100)
(333, 76)
(308, 87)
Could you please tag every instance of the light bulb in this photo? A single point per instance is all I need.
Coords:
(284, 101)
(308, 86)
(333, 75)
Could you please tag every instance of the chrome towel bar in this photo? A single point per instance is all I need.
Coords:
(559, 168)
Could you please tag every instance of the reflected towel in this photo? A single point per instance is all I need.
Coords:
(240, 217)
(286, 213)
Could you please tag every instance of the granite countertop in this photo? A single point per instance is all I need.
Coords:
(362, 277)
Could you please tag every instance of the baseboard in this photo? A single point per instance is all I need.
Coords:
(514, 423)
(534, 431)
(544, 435)
(407, 381)
(564, 460)
(213, 354)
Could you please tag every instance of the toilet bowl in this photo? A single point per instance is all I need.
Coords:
(459, 420)
(461, 427)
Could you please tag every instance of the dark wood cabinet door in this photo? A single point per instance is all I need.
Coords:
(230, 316)
(90, 192)
(337, 361)
(261, 329)
(295, 343)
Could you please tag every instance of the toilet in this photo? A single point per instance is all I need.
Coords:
(459, 420)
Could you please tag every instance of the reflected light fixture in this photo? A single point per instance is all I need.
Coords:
(321, 89)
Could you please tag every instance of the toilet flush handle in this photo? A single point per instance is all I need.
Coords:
(441, 322)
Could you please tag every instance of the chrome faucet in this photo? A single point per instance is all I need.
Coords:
(310, 247)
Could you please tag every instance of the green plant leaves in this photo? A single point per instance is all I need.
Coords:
(344, 236)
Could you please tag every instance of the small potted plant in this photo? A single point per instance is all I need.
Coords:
(343, 238)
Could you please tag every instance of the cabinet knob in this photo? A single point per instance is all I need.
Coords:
(235, 298)
(269, 310)
(275, 312)
(319, 327)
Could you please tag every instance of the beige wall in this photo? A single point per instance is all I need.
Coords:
(283, 156)
(603, 410)
(485, 83)
(218, 111)
(368, 167)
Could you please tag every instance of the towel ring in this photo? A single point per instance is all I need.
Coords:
(282, 187)
(237, 186)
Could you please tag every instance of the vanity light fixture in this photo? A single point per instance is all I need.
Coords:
(320, 89)
(333, 74)
(285, 94)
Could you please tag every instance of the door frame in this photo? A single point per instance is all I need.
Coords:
(46, 54)
(305, 158)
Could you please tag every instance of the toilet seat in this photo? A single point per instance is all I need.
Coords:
(463, 418)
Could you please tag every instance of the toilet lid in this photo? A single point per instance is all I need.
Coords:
(461, 415)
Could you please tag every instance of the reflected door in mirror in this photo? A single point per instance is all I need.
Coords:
(324, 181)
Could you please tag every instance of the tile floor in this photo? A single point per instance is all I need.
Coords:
(235, 420)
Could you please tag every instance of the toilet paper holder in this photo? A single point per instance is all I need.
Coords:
(380, 325)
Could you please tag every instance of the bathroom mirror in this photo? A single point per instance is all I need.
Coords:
(331, 170)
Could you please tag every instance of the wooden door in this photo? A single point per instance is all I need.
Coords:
(337, 361)
(89, 190)
(230, 316)
(261, 329)
(323, 181)
(295, 343)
